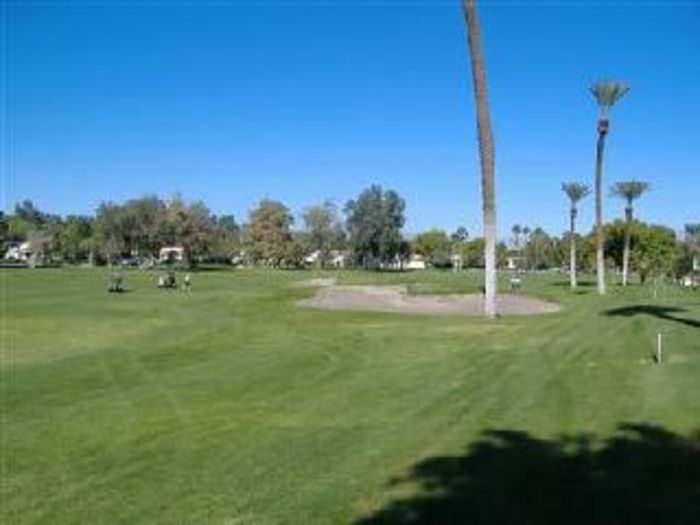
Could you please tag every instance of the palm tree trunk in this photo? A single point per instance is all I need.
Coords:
(626, 250)
(486, 154)
(599, 240)
(572, 248)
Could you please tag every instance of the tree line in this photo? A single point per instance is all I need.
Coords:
(367, 233)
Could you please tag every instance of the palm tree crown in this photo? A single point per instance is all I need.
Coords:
(630, 190)
(607, 93)
(575, 191)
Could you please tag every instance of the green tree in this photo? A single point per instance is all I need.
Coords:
(486, 155)
(4, 228)
(575, 192)
(191, 226)
(692, 239)
(434, 245)
(111, 236)
(41, 243)
(323, 228)
(473, 253)
(27, 211)
(541, 250)
(606, 93)
(629, 191)
(145, 222)
(374, 222)
(269, 233)
(688, 260)
(75, 238)
(654, 253)
(226, 241)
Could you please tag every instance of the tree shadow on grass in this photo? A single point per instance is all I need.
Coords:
(580, 284)
(643, 475)
(661, 312)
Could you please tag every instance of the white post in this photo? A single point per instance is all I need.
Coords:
(659, 344)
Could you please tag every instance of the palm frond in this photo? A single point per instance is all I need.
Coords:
(608, 92)
(630, 190)
(575, 191)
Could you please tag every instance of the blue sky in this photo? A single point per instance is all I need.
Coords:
(231, 102)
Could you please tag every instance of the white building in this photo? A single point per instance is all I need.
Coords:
(19, 252)
(171, 254)
(416, 262)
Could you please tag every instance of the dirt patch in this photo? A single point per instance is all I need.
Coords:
(315, 283)
(395, 299)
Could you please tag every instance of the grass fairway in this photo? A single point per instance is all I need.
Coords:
(233, 405)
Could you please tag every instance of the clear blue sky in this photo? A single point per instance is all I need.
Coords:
(231, 101)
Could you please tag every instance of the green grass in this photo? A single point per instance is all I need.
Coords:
(233, 405)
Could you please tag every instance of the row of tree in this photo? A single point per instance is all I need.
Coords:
(368, 233)
(139, 228)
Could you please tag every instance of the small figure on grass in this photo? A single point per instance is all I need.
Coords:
(116, 283)
(168, 280)
(187, 283)
(516, 285)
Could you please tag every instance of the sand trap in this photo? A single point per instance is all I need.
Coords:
(315, 283)
(395, 299)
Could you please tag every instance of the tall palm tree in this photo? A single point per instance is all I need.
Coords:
(524, 246)
(575, 192)
(606, 93)
(517, 231)
(486, 154)
(629, 191)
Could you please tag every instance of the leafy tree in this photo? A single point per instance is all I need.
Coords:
(324, 229)
(145, 219)
(112, 237)
(575, 192)
(486, 154)
(654, 253)
(541, 251)
(692, 241)
(606, 94)
(41, 243)
(473, 254)
(4, 228)
(17, 228)
(629, 191)
(374, 223)
(295, 252)
(28, 212)
(615, 233)
(75, 238)
(191, 227)
(688, 256)
(226, 241)
(434, 245)
(269, 233)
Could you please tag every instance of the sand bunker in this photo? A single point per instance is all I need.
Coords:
(395, 299)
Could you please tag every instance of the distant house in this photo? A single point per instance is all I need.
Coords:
(18, 252)
(171, 254)
(312, 258)
(514, 260)
(339, 258)
(416, 262)
(336, 258)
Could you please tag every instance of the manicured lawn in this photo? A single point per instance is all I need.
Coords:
(233, 405)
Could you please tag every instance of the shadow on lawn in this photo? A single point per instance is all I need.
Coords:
(643, 475)
(580, 284)
(662, 312)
